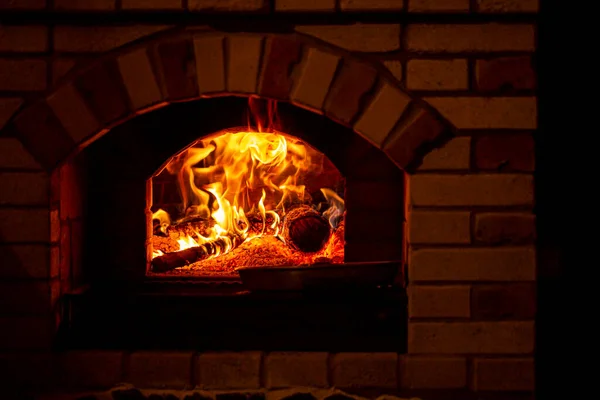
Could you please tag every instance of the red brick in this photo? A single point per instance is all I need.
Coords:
(103, 91)
(22, 4)
(25, 261)
(505, 74)
(439, 301)
(353, 81)
(160, 369)
(152, 4)
(14, 155)
(71, 186)
(433, 373)
(282, 54)
(176, 62)
(438, 5)
(43, 135)
(511, 374)
(437, 74)
(440, 227)
(61, 67)
(229, 370)
(93, 39)
(31, 370)
(514, 337)
(357, 37)
(29, 297)
(505, 153)
(305, 5)
(407, 144)
(32, 332)
(23, 74)
(84, 5)
(226, 5)
(24, 188)
(24, 225)
(505, 228)
(511, 301)
(370, 5)
(8, 106)
(296, 370)
(373, 370)
(23, 38)
(91, 369)
(512, 6)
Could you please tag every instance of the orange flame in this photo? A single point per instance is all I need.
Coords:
(234, 174)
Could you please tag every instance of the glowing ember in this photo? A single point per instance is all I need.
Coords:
(237, 188)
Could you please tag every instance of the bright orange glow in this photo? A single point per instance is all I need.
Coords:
(242, 183)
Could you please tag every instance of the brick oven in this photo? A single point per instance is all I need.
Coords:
(418, 116)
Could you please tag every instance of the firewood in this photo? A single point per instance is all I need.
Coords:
(170, 261)
(304, 229)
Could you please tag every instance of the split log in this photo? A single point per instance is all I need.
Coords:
(170, 261)
(304, 229)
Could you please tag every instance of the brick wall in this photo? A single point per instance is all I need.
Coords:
(452, 100)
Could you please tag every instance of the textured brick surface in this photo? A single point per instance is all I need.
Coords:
(438, 5)
(505, 73)
(383, 112)
(395, 67)
(441, 227)
(243, 56)
(439, 301)
(494, 6)
(14, 155)
(177, 64)
(357, 37)
(26, 332)
(160, 369)
(371, 5)
(24, 225)
(26, 261)
(296, 370)
(471, 190)
(514, 301)
(22, 74)
(42, 134)
(433, 372)
(505, 228)
(152, 4)
(480, 264)
(505, 152)
(72, 112)
(315, 77)
(34, 370)
(352, 82)
(138, 77)
(229, 370)
(8, 106)
(24, 188)
(23, 38)
(61, 66)
(437, 75)
(459, 38)
(22, 4)
(488, 113)
(452, 155)
(102, 90)
(504, 374)
(305, 5)
(210, 64)
(226, 5)
(377, 370)
(91, 368)
(282, 54)
(99, 38)
(471, 337)
(418, 129)
(28, 297)
(85, 5)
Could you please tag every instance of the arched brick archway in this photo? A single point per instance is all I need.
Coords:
(320, 78)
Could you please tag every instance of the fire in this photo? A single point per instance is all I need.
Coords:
(243, 182)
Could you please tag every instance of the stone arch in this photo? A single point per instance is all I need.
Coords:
(287, 67)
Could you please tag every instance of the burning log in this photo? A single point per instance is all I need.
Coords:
(304, 229)
(170, 261)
